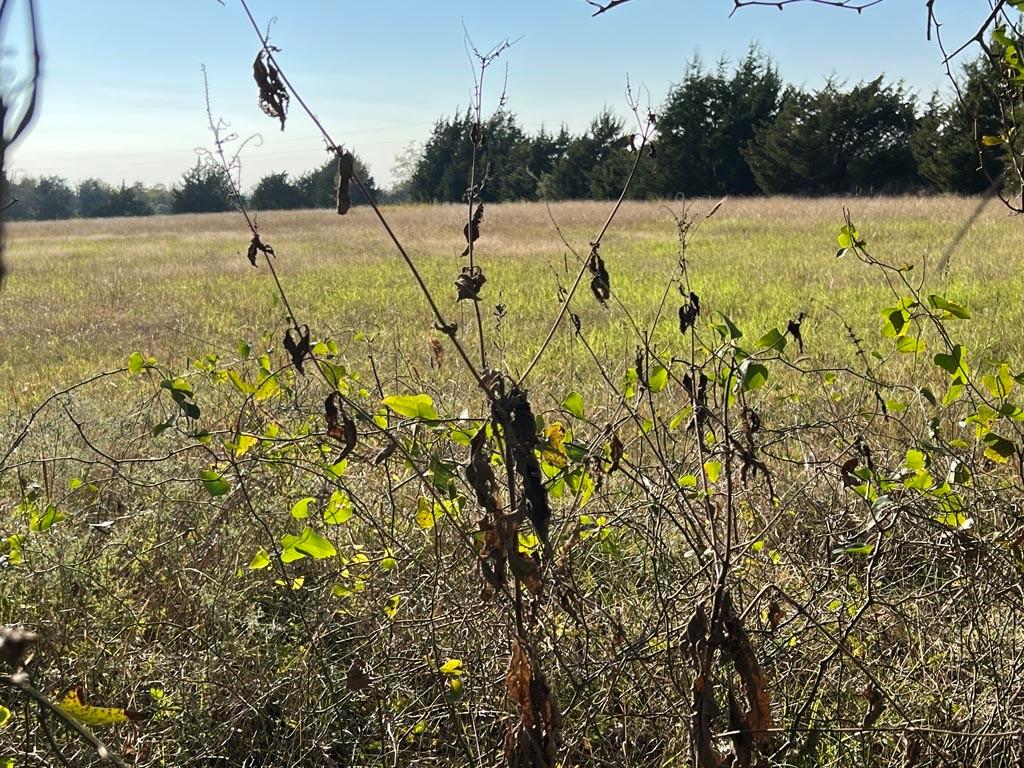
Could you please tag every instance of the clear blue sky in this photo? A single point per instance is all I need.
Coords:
(123, 96)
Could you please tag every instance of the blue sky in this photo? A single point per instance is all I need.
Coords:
(123, 95)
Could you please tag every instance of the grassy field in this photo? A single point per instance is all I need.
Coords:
(676, 548)
(85, 294)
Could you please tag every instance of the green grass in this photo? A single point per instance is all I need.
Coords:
(85, 294)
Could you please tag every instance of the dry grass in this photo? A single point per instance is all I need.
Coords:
(85, 294)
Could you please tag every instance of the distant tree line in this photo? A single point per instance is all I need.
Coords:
(728, 130)
(738, 130)
(204, 188)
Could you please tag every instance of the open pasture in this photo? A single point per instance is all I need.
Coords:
(85, 294)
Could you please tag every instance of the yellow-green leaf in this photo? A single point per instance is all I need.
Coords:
(339, 509)
(300, 510)
(260, 560)
(412, 406)
(451, 667)
(73, 705)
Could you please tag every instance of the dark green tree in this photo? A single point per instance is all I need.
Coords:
(204, 188)
(948, 143)
(503, 161)
(707, 122)
(570, 179)
(129, 201)
(93, 198)
(54, 199)
(318, 188)
(20, 204)
(276, 192)
(832, 141)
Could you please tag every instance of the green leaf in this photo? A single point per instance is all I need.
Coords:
(136, 362)
(240, 384)
(309, 542)
(6, 762)
(897, 322)
(755, 376)
(50, 517)
(993, 141)
(391, 606)
(5, 716)
(956, 520)
(952, 363)
(774, 339)
(215, 484)
(260, 560)
(855, 549)
(712, 469)
(245, 442)
(451, 667)
(916, 460)
(339, 509)
(729, 329)
(949, 308)
(909, 345)
(657, 379)
(412, 406)
(629, 382)
(998, 448)
(849, 237)
(300, 509)
(573, 403)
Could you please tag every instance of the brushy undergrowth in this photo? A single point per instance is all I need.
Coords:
(759, 545)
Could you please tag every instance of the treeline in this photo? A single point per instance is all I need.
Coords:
(735, 131)
(204, 188)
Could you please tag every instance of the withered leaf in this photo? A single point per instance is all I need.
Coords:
(273, 96)
(600, 285)
(688, 312)
(850, 480)
(526, 570)
(514, 410)
(296, 342)
(342, 177)
(257, 246)
(758, 715)
(472, 230)
(703, 712)
(470, 281)
(876, 704)
(793, 329)
(742, 743)
(16, 646)
(616, 450)
(339, 425)
(532, 742)
(356, 679)
(437, 352)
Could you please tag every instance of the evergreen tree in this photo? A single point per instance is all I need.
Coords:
(54, 199)
(570, 179)
(204, 189)
(276, 192)
(707, 122)
(318, 188)
(832, 141)
(93, 198)
(947, 143)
